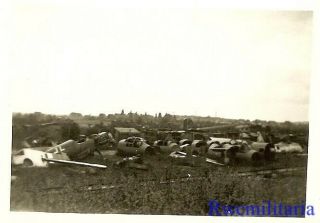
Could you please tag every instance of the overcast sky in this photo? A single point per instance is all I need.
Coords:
(236, 64)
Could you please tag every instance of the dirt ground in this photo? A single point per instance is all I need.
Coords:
(165, 188)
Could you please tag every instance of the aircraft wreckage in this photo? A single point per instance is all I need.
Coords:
(69, 152)
(214, 150)
(166, 146)
(135, 146)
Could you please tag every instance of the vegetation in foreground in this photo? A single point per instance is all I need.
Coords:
(130, 191)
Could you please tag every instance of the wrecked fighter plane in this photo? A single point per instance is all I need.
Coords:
(29, 157)
(197, 147)
(166, 146)
(290, 147)
(230, 153)
(266, 150)
(134, 146)
(68, 152)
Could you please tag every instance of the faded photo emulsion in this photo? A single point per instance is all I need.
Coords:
(194, 111)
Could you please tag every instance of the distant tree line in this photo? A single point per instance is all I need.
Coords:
(65, 127)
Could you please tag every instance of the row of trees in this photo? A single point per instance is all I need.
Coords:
(133, 119)
(61, 128)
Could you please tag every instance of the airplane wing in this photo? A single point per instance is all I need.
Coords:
(63, 158)
(74, 163)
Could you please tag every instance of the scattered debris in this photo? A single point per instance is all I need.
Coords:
(219, 141)
(188, 159)
(214, 162)
(135, 162)
(193, 160)
(124, 161)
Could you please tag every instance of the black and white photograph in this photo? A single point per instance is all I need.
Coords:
(175, 111)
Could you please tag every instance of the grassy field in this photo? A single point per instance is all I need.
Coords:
(130, 191)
